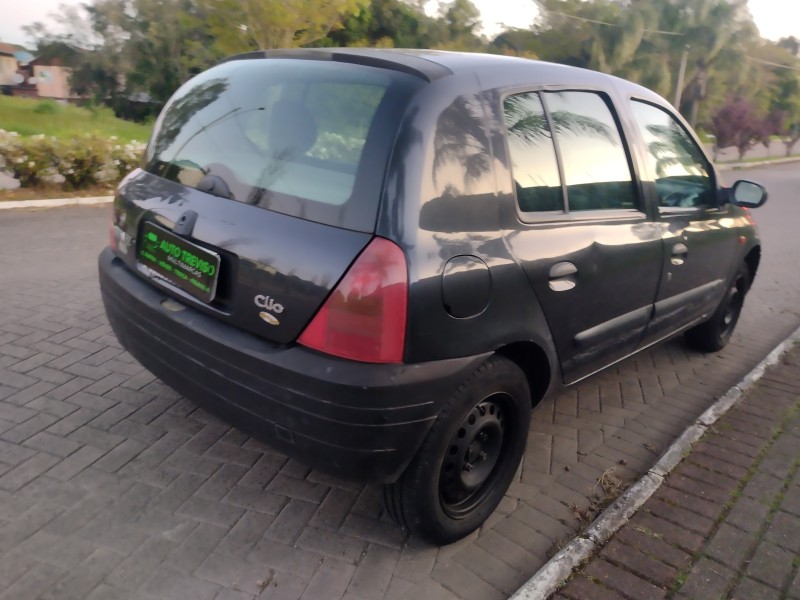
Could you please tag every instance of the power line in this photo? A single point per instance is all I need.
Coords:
(659, 31)
(771, 64)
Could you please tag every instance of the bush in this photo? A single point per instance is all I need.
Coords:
(46, 107)
(78, 163)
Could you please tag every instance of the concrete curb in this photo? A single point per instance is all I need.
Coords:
(751, 165)
(55, 202)
(555, 572)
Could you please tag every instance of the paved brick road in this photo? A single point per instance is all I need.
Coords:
(726, 522)
(112, 486)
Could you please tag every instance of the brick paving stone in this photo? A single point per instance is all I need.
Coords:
(794, 587)
(725, 484)
(330, 581)
(696, 488)
(27, 471)
(208, 511)
(333, 510)
(750, 589)
(683, 516)
(13, 566)
(771, 565)
(85, 577)
(35, 582)
(196, 547)
(291, 521)
(384, 532)
(29, 428)
(711, 510)
(708, 580)
(785, 532)
(580, 588)
(221, 569)
(465, 583)
(791, 500)
(622, 581)
(763, 487)
(655, 547)
(731, 546)
(747, 514)
(171, 585)
(669, 532)
(640, 563)
(490, 568)
(374, 574)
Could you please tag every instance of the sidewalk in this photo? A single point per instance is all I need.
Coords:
(726, 522)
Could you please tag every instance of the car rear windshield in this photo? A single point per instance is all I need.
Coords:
(306, 138)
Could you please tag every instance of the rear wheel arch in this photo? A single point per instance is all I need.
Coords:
(534, 362)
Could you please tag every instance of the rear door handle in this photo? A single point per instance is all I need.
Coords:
(563, 276)
(679, 254)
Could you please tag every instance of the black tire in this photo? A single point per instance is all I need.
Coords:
(469, 457)
(714, 334)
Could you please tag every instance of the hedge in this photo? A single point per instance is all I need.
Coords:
(74, 164)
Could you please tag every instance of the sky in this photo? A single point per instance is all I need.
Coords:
(770, 16)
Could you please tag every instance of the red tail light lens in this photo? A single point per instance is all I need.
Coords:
(112, 236)
(365, 317)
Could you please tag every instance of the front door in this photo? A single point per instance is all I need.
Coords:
(699, 242)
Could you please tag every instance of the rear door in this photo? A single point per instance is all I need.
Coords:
(583, 238)
(698, 237)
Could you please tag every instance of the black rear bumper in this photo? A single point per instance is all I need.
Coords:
(353, 420)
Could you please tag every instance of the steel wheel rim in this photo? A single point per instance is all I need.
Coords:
(473, 457)
(735, 299)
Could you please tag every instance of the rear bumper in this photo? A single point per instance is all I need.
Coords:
(353, 420)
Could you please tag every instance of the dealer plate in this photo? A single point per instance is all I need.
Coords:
(185, 265)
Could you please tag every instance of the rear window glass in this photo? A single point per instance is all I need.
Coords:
(302, 137)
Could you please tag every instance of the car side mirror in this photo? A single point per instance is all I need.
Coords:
(748, 194)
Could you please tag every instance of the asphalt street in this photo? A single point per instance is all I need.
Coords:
(113, 486)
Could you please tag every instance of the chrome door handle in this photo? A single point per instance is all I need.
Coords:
(679, 253)
(563, 276)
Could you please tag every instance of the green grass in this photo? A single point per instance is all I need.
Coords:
(31, 117)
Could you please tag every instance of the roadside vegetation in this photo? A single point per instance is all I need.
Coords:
(27, 116)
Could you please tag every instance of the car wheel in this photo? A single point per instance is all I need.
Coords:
(469, 457)
(714, 334)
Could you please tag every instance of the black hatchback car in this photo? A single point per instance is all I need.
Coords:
(378, 261)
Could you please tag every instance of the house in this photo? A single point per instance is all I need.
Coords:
(8, 65)
(22, 74)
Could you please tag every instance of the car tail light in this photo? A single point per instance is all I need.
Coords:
(112, 236)
(364, 318)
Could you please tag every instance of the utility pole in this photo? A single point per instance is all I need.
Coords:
(681, 73)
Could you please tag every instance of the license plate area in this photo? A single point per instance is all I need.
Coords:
(187, 266)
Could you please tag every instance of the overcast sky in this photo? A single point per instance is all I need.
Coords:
(770, 16)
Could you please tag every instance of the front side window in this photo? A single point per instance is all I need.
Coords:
(682, 174)
(579, 129)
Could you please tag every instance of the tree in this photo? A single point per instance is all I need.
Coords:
(737, 124)
(243, 25)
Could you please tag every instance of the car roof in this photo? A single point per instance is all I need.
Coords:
(435, 64)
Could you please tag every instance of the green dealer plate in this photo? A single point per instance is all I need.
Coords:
(182, 263)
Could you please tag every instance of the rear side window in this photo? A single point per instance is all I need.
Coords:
(579, 130)
(302, 137)
(533, 156)
(681, 172)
